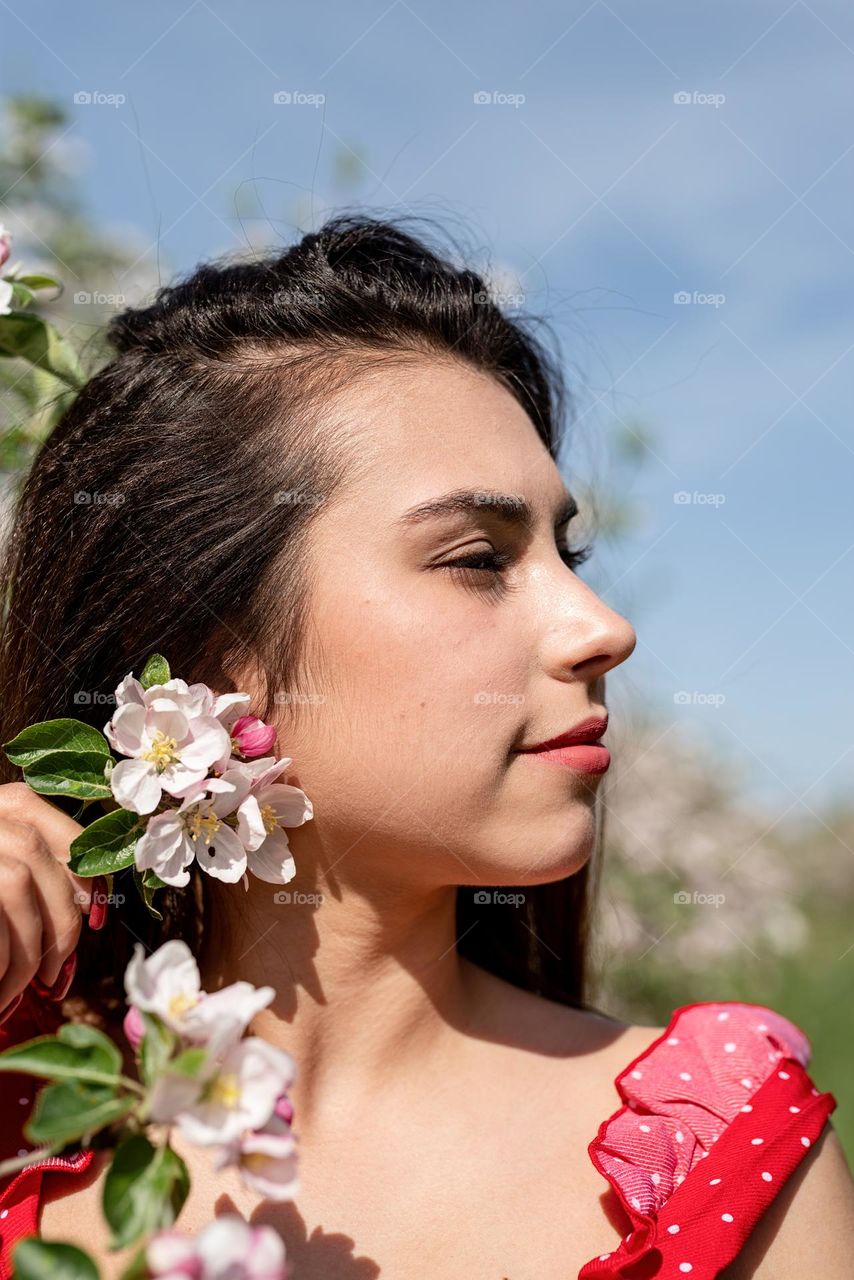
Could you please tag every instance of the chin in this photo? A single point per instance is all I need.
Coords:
(535, 853)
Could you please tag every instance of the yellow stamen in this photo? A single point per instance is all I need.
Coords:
(202, 826)
(225, 1089)
(269, 818)
(180, 1003)
(162, 752)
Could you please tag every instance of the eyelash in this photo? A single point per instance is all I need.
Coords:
(497, 561)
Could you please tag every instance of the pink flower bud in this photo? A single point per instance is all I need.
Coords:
(284, 1108)
(5, 245)
(252, 737)
(134, 1027)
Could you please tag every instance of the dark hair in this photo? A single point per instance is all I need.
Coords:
(152, 520)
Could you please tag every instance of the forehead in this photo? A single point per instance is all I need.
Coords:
(433, 426)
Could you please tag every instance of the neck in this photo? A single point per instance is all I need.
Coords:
(368, 981)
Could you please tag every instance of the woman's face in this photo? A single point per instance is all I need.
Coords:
(422, 678)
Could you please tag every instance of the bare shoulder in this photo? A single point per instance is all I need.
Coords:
(808, 1229)
(592, 1044)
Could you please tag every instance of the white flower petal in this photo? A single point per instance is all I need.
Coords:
(291, 806)
(127, 729)
(135, 785)
(205, 743)
(272, 861)
(224, 858)
(165, 849)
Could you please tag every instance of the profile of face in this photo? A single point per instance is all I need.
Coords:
(423, 677)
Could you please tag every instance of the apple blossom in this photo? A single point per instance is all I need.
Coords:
(5, 244)
(269, 807)
(228, 1248)
(196, 830)
(166, 983)
(252, 736)
(6, 296)
(170, 750)
(236, 1093)
(266, 1159)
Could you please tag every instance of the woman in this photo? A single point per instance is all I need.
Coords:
(329, 478)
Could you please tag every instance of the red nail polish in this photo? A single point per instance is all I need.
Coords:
(10, 1008)
(98, 907)
(64, 978)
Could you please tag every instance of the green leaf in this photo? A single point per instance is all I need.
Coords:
(155, 671)
(144, 1190)
(39, 282)
(76, 1052)
(137, 1268)
(39, 740)
(36, 1259)
(157, 1047)
(98, 1046)
(146, 883)
(66, 1111)
(189, 1062)
(107, 845)
(31, 338)
(21, 294)
(69, 773)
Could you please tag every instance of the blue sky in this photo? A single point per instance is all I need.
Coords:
(600, 196)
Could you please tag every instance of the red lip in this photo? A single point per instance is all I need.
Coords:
(589, 730)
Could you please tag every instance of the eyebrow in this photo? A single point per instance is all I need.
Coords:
(511, 507)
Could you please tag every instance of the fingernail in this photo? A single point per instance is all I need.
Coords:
(98, 907)
(64, 978)
(10, 1009)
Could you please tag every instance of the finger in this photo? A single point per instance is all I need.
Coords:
(23, 920)
(19, 802)
(55, 898)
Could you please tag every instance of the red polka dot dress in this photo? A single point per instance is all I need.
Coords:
(718, 1112)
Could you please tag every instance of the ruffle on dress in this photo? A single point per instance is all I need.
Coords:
(718, 1112)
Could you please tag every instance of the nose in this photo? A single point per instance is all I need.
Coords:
(590, 638)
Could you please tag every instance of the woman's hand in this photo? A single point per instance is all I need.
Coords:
(41, 901)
